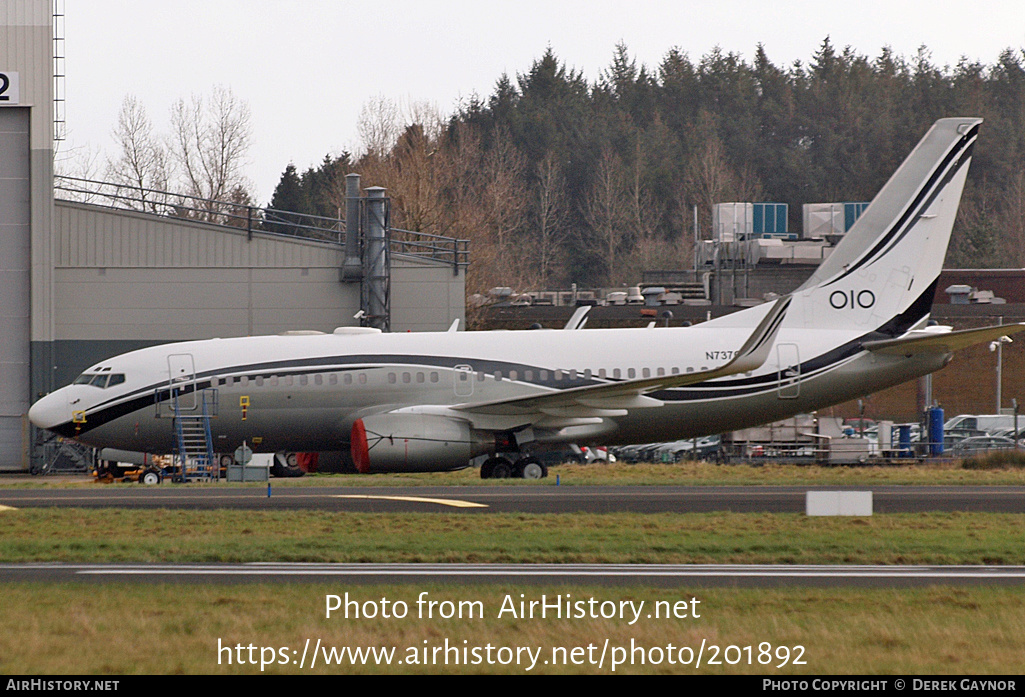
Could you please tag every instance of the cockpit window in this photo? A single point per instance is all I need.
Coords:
(102, 381)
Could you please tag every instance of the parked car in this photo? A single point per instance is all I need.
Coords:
(979, 422)
(976, 445)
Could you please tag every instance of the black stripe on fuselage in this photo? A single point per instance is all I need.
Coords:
(123, 405)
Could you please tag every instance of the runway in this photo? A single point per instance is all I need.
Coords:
(657, 575)
(516, 499)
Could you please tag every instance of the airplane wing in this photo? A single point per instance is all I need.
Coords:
(940, 342)
(613, 399)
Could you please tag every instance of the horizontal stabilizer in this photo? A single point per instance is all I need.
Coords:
(940, 341)
(629, 394)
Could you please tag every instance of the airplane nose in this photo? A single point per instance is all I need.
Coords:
(50, 411)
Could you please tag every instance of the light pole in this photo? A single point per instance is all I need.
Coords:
(998, 346)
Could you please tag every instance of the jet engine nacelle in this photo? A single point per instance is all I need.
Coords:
(411, 442)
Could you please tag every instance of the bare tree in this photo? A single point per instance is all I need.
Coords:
(1014, 220)
(141, 163)
(81, 163)
(605, 209)
(710, 179)
(504, 202)
(379, 126)
(209, 144)
(550, 216)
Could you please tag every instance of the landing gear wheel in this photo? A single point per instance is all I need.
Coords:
(503, 469)
(150, 477)
(496, 468)
(290, 468)
(529, 468)
(487, 468)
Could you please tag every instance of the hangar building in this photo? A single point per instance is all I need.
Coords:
(87, 272)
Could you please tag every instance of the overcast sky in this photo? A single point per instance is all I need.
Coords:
(306, 67)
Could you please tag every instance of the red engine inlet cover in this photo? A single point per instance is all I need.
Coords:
(360, 449)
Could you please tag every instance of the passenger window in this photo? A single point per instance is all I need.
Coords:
(528, 375)
(602, 374)
(288, 380)
(259, 381)
(244, 380)
(646, 372)
(434, 377)
(363, 378)
(304, 380)
(420, 378)
(631, 373)
(273, 380)
(406, 378)
(512, 374)
(333, 378)
(616, 373)
(558, 375)
(661, 372)
(544, 376)
(318, 379)
(347, 378)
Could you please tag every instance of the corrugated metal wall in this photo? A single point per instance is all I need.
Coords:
(94, 236)
(15, 263)
(26, 48)
(124, 279)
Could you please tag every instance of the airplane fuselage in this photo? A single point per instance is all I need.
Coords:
(303, 393)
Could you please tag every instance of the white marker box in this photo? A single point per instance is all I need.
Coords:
(839, 503)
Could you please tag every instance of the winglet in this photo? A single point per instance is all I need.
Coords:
(755, 350)
(579, 318)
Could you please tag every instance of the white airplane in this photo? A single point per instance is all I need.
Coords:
(434, 401)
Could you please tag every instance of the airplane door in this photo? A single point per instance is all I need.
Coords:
(789, 362)
(181, 374)
(463, 380)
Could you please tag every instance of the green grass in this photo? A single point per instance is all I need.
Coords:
(87, 535)
(118, 629)
(998, 470)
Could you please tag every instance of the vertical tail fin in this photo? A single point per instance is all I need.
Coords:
(882, 275)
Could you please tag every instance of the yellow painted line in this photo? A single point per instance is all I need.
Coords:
(7, 508)
(455, 503)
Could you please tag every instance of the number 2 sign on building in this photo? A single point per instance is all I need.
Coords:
(9, 94)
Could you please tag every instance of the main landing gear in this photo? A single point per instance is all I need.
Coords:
(501, 467)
